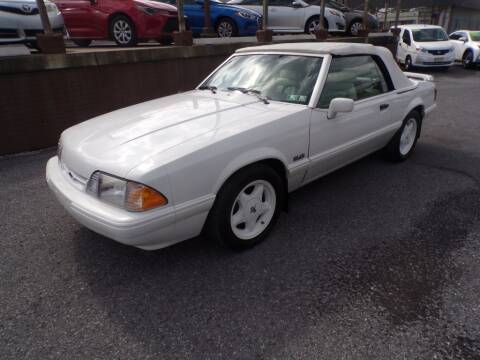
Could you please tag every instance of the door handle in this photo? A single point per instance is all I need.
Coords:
(384, 106)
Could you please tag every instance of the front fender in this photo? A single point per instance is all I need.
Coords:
(247, 158)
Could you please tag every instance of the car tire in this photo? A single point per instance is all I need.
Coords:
(226, 28)
(403, 143)
(82, 42)
(354, 26)
(467, 59)
(246, 207)
(312, 24)
(122, 31)
(408, 63)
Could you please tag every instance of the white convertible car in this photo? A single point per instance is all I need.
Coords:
(223, 157)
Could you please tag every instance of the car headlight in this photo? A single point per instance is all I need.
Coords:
(246, 15)
(52, 8)
(128, 195)
(151, 10)
(334, 13)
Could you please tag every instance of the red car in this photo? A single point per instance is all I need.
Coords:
(124, 21)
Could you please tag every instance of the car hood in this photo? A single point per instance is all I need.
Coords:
(118, 141)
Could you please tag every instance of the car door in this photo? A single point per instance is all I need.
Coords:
(404, 45)
(82, 18)
(195, 15)
(283, 15)
(457, 43)
(349, 136)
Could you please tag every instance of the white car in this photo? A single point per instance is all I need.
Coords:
(295, 16)
(424, 46)
(467, 47)
(223, 157)
(20, 21)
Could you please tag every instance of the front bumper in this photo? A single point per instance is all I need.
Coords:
(429, 60)
(147, 230)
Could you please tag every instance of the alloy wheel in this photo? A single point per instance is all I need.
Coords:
(313, 26)
(122, 31)
(355, 27)
(253, 209)
(225, 29)
(407, 139)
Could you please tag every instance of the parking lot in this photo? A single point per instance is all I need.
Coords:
(375, 261)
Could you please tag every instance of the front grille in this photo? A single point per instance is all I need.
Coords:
(340, 26)
(8, 34)
(33, 33)
(27, 10)
(438, 52)
(171, 25)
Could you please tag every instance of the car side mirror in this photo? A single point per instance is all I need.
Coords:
(296, 4)
(340, 105)
(463, 38)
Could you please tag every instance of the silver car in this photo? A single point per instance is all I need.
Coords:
(20, 20)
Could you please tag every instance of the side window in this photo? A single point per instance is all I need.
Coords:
(252, 2)
(353, 77)
(406, 37)
(455, 36)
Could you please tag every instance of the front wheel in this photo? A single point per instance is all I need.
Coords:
(122, 31)
(226, 28)
(403, 142)
(408, 63)
(247, 207)
(467, 60)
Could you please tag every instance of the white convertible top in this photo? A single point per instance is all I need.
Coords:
(399, 79)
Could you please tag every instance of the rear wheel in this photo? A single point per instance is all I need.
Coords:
(247, 207)
(354, 27)
(82, 42)
(226, 28)
(122, 31)
(408, 63)
(405, 139)
(313, 23)
(467, 60)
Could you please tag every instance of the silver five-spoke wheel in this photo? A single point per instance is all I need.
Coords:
(408, 137)
(253, 209)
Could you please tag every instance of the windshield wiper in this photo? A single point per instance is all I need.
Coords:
(213, 89)
(257, 93)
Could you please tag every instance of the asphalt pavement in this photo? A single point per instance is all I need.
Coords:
(375, 261)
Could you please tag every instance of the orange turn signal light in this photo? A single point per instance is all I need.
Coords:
(141, 197)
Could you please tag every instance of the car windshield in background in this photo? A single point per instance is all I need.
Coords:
(434, 34)
(475, 35)
(286, 78)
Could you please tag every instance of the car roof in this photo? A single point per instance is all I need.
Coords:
(332, 48)
(399, 79)
(420, 26)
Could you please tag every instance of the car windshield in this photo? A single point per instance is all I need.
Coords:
(433, 34)
(475, 35)
(286, 78)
